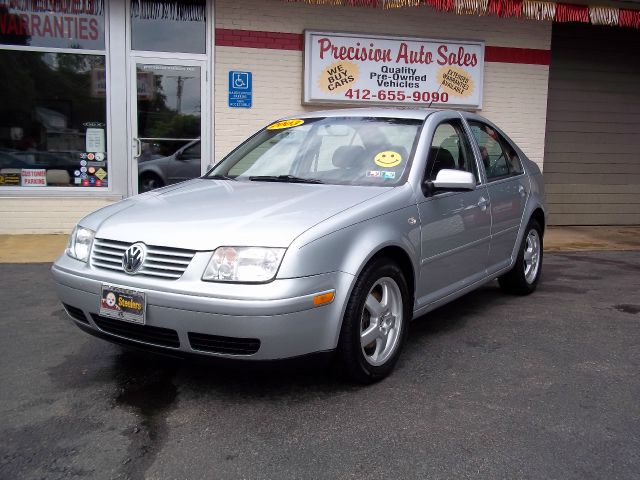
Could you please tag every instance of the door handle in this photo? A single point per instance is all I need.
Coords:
(483, 203)
(138, 148)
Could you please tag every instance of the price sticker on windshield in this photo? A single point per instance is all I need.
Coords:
(285, 124)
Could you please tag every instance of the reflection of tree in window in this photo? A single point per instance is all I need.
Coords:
(46, 102)
(60, 83)
(163, 113)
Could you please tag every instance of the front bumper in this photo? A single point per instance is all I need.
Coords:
(210, 318)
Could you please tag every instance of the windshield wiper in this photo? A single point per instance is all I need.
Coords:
(219, 177)
(283, 178)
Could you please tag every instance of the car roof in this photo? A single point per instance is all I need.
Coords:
(415, 113)
(388, 112)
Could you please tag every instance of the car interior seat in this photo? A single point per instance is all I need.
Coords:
(439, 159)
(348, 157)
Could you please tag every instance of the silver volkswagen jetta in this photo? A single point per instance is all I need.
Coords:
(327, 231)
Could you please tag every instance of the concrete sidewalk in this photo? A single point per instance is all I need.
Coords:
(575, 239)
(46, 248)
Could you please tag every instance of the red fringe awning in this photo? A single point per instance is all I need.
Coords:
(572, 13)
(505, 8)
(444, 5)
(629, 18)
(362, 3)
(538, 10)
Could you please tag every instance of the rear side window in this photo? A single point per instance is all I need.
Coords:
(450, 149)
(498, 156)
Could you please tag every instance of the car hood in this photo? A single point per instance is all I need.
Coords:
(205, 214)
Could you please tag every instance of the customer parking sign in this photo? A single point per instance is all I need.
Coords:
(240, 89)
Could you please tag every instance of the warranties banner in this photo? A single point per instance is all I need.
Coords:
(357, 68)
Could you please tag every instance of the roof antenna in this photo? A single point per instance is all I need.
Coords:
(439, 87)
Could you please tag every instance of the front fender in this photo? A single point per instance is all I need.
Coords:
(348, 249)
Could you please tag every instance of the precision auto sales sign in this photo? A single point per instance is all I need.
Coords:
(356, 68)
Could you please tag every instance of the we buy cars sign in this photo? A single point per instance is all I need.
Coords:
(356, 69)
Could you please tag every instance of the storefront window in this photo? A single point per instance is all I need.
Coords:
(168, 25)
(77, 24)
(52, 119)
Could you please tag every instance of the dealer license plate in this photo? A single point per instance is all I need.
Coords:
(122, 304)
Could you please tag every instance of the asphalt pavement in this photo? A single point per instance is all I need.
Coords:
(490, 387)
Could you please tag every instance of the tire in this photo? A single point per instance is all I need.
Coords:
(148, 182)
(523, 278)
(384, 285)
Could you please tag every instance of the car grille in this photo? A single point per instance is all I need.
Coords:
(164, 337)
(228, 345)
(75, 313)
(161, 262)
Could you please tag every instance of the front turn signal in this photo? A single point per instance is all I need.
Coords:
(323, 298)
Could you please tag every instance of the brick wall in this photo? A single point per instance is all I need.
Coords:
(265, 37)
(45, 215)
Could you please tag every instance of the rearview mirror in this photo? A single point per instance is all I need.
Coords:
(335, 130)
(448, 179)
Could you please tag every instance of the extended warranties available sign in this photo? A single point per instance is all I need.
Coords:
(357, 68)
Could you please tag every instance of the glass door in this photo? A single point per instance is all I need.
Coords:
(167, 121)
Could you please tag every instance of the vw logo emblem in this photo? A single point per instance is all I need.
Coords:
(133, 258)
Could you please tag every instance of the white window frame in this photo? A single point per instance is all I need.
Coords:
(118, 58)
(112, 188)
(208, 96)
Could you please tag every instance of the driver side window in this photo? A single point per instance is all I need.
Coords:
(450, 149)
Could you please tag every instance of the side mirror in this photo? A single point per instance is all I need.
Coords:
(453, 180)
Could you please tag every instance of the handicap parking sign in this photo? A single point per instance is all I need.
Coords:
(240, 89)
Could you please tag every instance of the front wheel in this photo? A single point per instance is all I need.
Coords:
(375, 323)
(523, 278)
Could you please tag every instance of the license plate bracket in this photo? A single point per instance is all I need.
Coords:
(123, 304)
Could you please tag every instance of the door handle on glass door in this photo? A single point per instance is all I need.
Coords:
(138, 146)
(482, 203)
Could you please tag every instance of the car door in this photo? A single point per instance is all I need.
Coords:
(508, 189)
(455, 225)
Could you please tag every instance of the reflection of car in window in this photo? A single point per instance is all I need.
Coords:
(10, 161)
(182, 165)
(60, 166)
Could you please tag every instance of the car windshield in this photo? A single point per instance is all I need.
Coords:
(333, 150)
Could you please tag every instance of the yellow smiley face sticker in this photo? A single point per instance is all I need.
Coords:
(388, 159)
(285, 124)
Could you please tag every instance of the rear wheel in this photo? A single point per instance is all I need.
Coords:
(523, 278)
(375, 323)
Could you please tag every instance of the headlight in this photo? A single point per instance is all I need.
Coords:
(243, 264)
(79, 245)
